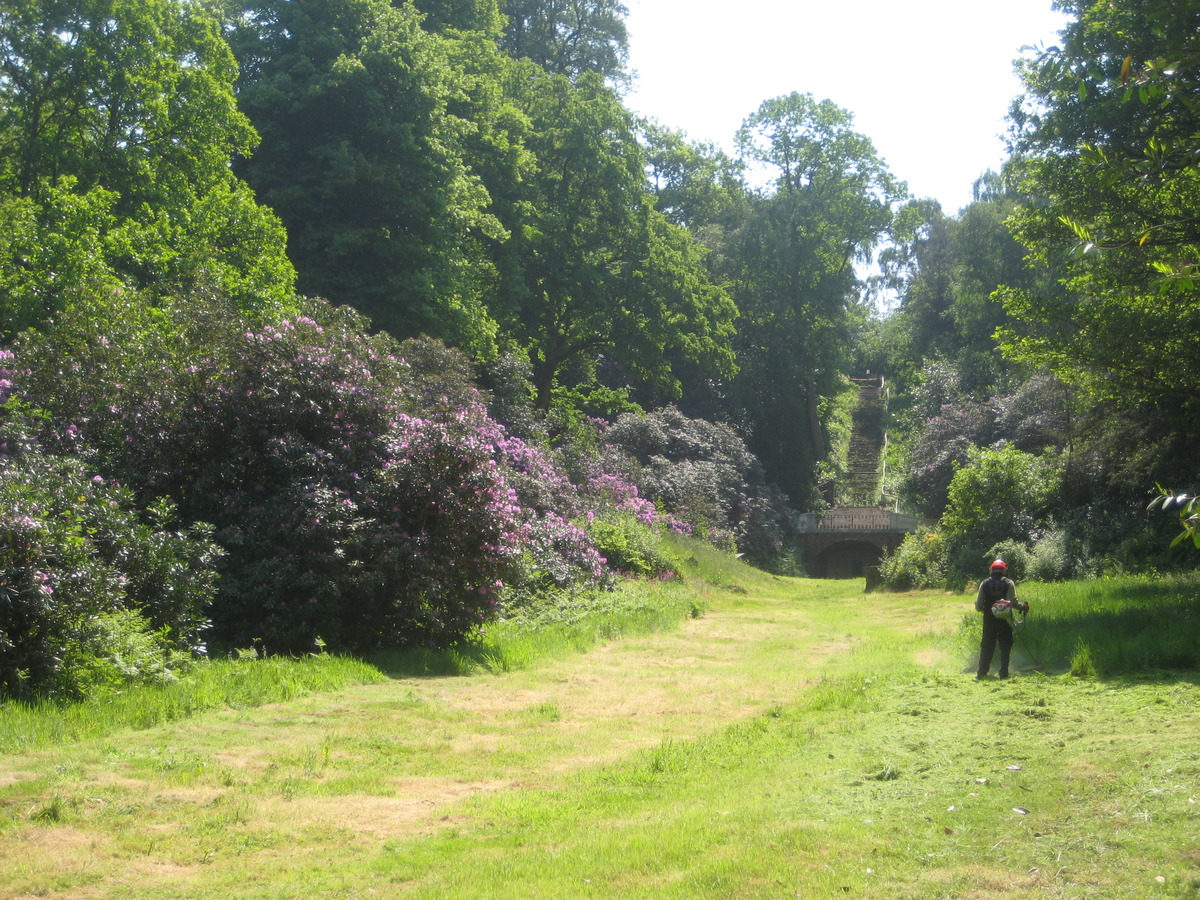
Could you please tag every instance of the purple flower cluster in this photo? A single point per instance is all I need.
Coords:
(6, 374)
(363, 498)
(702, 474)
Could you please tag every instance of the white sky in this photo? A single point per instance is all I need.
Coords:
(928, 81)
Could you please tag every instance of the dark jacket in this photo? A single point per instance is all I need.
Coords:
(992, 589)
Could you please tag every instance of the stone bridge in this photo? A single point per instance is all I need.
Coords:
(849, 541)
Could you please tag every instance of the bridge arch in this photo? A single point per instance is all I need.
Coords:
(847, 559)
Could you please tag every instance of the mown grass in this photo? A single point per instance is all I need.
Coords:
(635, 607)
(866, 787)
(801, 739)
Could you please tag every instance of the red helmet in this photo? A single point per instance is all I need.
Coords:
(1001, 565)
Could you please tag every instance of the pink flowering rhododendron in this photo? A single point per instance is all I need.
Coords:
(362, 500)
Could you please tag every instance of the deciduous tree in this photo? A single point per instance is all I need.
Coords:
(1106, 143)
(790, 263)
(569, 37)
(117, 126)
(598, 269)
(362, 158)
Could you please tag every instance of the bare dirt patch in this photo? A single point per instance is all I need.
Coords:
(418, 807)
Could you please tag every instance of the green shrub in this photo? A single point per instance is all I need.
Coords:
(1082, 664)
(1056, 556)
(113, 650)
(919, 562)
(999, 496)
(92, 595)
(1015, 555)
(631, 546)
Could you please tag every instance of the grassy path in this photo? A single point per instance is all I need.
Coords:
(794, 741)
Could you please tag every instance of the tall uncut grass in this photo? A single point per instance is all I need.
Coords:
(208, 685)
(637, 607)
(1109, 626)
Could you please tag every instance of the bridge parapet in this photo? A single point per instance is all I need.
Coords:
(857, 519)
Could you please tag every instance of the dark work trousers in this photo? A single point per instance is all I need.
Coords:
(995, 631)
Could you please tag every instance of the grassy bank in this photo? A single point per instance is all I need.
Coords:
(781, 738)
(636, 607)
(205, 687)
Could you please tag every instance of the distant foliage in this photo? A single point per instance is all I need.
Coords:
(1037, 416)
(942, 446)
(695, 468)
(94, 593)
(919, 562)
(1016, 555)
(999, 504)
(1001, 495)
(703, 474)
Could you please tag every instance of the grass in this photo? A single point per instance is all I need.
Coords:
(205, 687)
(636, 607)
(863, 790)
(797, 739)
(1107, 627)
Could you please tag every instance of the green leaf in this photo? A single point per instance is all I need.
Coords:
(1079, 228)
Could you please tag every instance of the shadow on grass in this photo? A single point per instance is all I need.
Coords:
(420, 662)
(1163, 678)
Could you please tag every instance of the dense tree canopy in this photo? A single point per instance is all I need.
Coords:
(361, 158)
(568, 37)
(588, 235)
(697, 186)
(946, 270)
(117, 125)
(461, 15)
(130, 96)
(446, 189)
(1106, 140)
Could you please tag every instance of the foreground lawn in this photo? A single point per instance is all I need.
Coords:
(798, 739)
